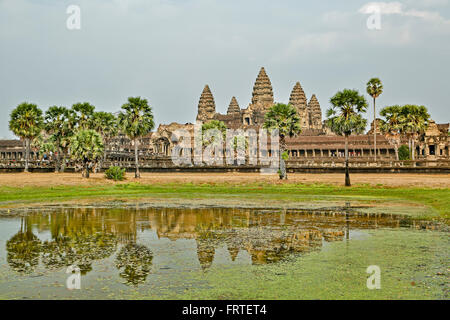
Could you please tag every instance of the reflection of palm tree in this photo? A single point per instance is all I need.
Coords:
(79, 249)
(23, 250)
(135, 263)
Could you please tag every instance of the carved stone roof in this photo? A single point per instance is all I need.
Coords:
(314, 105)
(262, 90)
(315, 113)
(298, 97)
(206, 105)
(233, 108)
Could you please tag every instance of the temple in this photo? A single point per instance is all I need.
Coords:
(316, 145)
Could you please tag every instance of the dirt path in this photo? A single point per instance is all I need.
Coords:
(69, 179)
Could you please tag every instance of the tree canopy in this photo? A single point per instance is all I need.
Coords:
(345, 114)
(136, 118)
(26, 121)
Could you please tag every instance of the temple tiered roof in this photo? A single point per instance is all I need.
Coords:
(233, 108)
(206, 105)
(298, 97)
(315, 113)
(262, 95)
(298, 100)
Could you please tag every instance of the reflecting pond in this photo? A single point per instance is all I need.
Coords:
(125, 250)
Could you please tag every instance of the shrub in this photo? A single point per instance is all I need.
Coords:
(403, 153)
(115, 173)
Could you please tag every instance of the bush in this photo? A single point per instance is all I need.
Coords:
(403, 153)
(115, 173)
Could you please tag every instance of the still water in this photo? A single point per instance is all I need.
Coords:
(120, 251)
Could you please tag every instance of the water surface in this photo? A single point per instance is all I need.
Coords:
(123, 251)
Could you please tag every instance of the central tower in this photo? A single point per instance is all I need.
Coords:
(262, 97)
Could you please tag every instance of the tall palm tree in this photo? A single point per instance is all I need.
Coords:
(57, 124)
(105, 123)
(84, 112)
(345, 118)
(392, 125)
(285, 119)
(374, 89)
(26, 122)
(414, 121)
(86, 146)
(136, 120)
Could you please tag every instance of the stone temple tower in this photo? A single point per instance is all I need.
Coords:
(262, 97)
(298, 100)
(206, 106)
(233, 108)
(315, 113)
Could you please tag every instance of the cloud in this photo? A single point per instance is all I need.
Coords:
(427, 3)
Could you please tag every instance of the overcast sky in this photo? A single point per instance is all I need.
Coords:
(167, 50)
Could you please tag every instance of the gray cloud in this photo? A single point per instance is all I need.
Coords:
(167, 51)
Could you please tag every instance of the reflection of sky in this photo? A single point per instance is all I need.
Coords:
(8, 228)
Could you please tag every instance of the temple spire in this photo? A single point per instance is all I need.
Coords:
(315, 113)
(298, 97)
(206, 105)
(262, 96)
(233, 108)
(299, 102)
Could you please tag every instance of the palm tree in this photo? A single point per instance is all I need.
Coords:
(414, 120)
(84, 112)
(86, 146)
(26, 122)
(345, 118)
(136, 121)
(208, 137)
(105, 123)
(374, 89)
(285, 119)
(57, 124)
(392, 126)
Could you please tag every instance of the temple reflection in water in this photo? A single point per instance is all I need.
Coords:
(82, 236)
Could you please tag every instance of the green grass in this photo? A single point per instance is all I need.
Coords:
(437, 200)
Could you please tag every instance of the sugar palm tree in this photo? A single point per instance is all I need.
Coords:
(86, 146)
(392, 125)
(285, 119)
(84, 112)
(374, 89)
(26, 122)
(345, 118)
(105, 123)
(57, 124)
(136, 120)
(414, 121)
